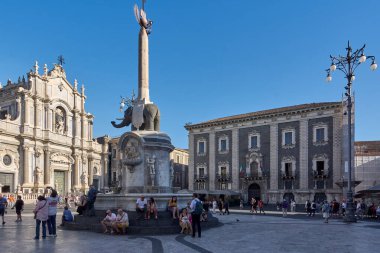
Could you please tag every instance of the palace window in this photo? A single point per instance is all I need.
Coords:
(288, 138)
(320, 134)
(288, 169)
(223, 171)
(320, 168)
(201, 147)
(223, 144)
(201, 172)
(254, 141)
(114, 153)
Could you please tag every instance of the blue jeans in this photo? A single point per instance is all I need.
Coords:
(51, 224)
(38, 222)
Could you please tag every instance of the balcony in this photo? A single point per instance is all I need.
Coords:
(252, 176)
(223, 177)
(288, 176)
(200, 178)
(319, 175)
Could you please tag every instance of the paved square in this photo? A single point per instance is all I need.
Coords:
(249, 234)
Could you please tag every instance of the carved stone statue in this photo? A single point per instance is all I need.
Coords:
(59, 121)
(38, 175)
(151, 118)
(83, 178)
(150, 165)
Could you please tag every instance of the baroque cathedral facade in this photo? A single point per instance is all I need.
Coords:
(296, 152)
(46, 135)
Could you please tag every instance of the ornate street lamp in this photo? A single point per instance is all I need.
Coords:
(347, 64)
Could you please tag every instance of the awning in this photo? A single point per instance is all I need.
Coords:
(374, 189)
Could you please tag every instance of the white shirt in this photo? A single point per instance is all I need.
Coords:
(110, 218)
(193, 203)
(140, 203)
(122, 218)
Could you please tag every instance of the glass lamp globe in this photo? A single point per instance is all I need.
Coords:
(353, 78)
(333, 67)
(373, 66)
(362, 58)
(328, 78)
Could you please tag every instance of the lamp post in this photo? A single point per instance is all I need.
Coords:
(348, 64)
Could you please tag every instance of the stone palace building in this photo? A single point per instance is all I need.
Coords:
(294, 152)
(46, 135)
(367, 164)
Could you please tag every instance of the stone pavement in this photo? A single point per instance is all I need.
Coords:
(240, 233)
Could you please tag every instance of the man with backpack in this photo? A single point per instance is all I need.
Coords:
(196, 211)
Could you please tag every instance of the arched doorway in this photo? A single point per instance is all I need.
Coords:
(254, 191)
(288, 196)
(319, 197)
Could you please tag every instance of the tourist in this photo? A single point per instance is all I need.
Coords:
(241, 206)
(308, 207)
(107, 221)
(253, 205)
(19, 205)
(220, 206)
(261, 206)
(82, 205)
(184, 222)
(214, 206)
(11, 200)
(196, 211)
(152, 208)
(41, 214)
(278, 205)
(91, 198)
(293, 206)
(284, 208)
(51, 222)
(343, 206)
(326, 211)
(121, 223)
(313, 208)
(173, 207)
(206, 206)
(141, 206)
(67, 216)
(226, 207)
(3, 206)
(378, 211)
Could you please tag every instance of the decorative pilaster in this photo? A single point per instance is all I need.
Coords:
(90, 171)
(304, 165)
(47, 175)
(191, 161)
(274, 157)
(76, 171)
(211, 164)
(26, 166)
(105, 174)
(235, 159)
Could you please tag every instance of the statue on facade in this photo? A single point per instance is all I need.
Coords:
(150, 165)
(38, 175)
(83, 178)
(59, 121)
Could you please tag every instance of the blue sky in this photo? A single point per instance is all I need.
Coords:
(208, 59)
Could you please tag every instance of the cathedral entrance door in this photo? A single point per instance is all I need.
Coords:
(254, 191)
(6, 180)
(60, 181)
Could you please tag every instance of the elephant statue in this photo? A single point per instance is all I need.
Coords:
(151, 115)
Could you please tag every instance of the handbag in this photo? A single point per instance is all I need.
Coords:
(35, 214)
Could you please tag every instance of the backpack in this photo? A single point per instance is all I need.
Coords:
(198, 207)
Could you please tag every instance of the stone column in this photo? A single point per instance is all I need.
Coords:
(304, 161)
(211, 164)
(105, 175)
(235, 159)
(37, 114)
(27, 111)
(26, 165)
(191, 161)
(76, 172)
(90, 171)
(274, 156)
(143, 77)
(47, 175)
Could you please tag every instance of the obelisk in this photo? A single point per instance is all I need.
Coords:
(143, 73)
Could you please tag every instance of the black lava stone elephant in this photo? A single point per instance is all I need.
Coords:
(151, 116)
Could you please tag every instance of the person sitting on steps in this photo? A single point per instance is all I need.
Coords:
(107, 221)
(121, 223)
(173, 207)
(152, 208)
(141, 206)
(184, 222)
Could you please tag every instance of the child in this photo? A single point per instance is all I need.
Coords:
(19, 205)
